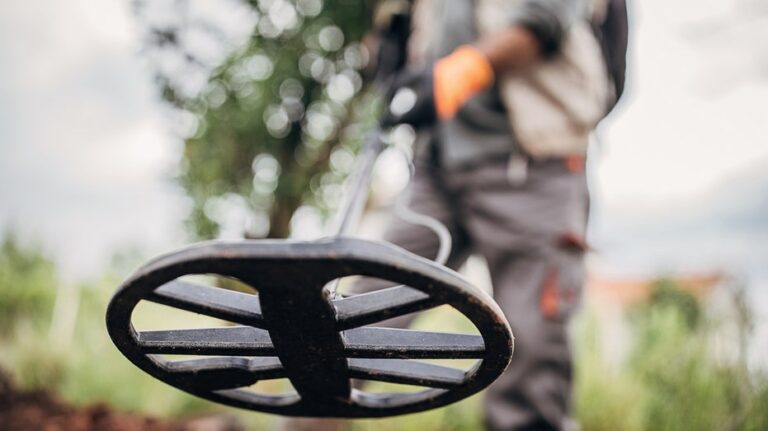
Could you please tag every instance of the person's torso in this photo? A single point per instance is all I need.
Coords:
(482, 129)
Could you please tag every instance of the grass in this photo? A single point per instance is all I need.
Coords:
(668, 380)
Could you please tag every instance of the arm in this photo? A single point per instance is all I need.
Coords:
(510, 49)
(472, 68)
(536, 30)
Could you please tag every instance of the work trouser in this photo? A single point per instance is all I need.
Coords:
(530, 233)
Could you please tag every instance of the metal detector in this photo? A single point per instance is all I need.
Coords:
(297, 328)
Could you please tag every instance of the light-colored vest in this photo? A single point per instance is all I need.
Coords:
(554, 104)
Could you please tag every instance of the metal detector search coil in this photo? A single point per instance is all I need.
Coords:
(292, 329)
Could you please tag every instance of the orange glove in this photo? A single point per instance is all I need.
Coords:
(458, 77)
(423, 97)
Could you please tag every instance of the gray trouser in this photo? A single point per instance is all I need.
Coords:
(530, 235)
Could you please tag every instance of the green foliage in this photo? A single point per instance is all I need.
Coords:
(669, 380)
(757, 416)
(273, 113)
(667, 295)
(27, 284)
(87, 368)
(607, 397)
(84, 367)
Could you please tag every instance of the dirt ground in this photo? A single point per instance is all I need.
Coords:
(39, 410)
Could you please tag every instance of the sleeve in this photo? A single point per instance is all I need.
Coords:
(548, 20)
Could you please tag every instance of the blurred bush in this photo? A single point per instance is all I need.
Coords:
(81, 365)
(673, 378)
(27, 284)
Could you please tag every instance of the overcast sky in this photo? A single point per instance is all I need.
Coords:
(696, 110)
(86, 149)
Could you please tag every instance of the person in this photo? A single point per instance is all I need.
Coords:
(504, 95)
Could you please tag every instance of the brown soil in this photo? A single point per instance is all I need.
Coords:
(39, 410)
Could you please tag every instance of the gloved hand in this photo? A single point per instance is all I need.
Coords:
(421, 97)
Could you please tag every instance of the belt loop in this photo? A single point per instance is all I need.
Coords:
(517, 169)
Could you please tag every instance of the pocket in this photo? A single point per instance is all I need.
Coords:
(562, 286)
(573, 272)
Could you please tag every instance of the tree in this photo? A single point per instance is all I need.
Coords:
(275, 121)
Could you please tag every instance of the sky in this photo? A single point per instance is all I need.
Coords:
(87, 150)
(689, 138)
(695, 109)
(85, 146)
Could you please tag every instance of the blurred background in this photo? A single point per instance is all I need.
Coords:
(131, 128)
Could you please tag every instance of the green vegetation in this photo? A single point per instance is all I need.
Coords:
(669, 379)
(26, 280)
(276, 123)
(674, 377)
(82, 365)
